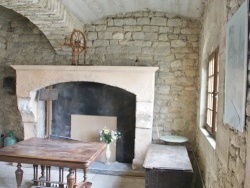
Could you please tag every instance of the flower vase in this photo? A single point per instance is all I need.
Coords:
(107, 153)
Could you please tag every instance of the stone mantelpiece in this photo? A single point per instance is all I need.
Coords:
(137, 80)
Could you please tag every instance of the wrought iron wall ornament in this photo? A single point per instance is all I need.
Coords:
(78, 45)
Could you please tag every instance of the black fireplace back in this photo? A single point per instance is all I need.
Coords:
(89, 98)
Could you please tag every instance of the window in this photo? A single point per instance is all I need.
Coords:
(212, 93)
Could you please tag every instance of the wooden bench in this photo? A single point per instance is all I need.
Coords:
(168, 166)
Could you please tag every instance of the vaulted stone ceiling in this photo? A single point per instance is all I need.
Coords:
(90, 10)
(57, 18)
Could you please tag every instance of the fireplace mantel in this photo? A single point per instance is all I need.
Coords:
(137, 80)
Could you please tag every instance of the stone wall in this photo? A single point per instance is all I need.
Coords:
(222, 161)
(3, 33)
(20, 43)
(133, 39)
(154, 39)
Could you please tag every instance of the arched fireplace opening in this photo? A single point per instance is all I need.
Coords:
(96, 99)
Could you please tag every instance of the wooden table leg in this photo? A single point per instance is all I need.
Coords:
(71, 178)
(35, 174)
(84, 174)
(19, 175)
(61, 175)
(42, 178)
(48, 176)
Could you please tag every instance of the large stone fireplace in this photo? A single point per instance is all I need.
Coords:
(137, 80)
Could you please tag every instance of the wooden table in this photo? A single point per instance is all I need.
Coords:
(47, 152)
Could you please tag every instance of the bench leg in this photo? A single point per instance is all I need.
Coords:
(19, 175)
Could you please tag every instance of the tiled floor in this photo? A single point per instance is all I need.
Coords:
(7, 178)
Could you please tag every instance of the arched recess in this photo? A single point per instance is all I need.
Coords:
(89, 98)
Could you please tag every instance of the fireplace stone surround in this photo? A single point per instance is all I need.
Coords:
(137, 80)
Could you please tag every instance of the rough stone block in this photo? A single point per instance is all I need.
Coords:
(128, 35)
(163, 89)
(113, 42)
(101, 50)
(151, 36)
(150, 28)
(189, 31)
(105, 35)
(166, 30)
(163, 37)
(193, 24)
(138, 35)
(192, 38)
(101, 43)
(190, 73)
(177, 30)
(174, 22)
(118, 22)
(179, 124)
(142, 43)
(191, 55)
(195, 44)
(147, 50)
(143, 58)
(113, 49)
(178, 43)
(129, 21)
(134, 49)
(183, 37)
(158, 21)
(143, 21)
(118, 36)
(161, 44)
(132, 28)
(161, 50)
(92, 35)
(100, 27)
(101, 22)
(173, 37)
(110, 22)
(177, 63)
(2, 46)
(138, 14)
(115, 29)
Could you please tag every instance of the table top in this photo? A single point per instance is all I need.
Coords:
(67, 153)
(167, 157)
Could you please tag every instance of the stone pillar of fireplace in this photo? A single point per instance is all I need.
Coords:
(137, 80)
